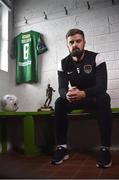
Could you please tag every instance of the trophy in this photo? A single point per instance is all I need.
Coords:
(49, 93)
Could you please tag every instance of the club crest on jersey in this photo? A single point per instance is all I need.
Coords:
(87, 68)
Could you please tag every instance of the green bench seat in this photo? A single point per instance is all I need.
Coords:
(29, 126)
(28, 129)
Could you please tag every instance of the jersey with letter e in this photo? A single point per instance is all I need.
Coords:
(28, 46)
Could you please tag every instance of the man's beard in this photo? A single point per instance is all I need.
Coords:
(77, 53)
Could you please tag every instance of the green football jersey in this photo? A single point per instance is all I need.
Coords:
(28, 46)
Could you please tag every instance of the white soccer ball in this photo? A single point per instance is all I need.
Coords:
(9, 102)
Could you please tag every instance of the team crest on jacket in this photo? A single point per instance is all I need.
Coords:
(87, 68)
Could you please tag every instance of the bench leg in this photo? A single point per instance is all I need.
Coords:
(3, 136)
(29, 136)
(48, 133)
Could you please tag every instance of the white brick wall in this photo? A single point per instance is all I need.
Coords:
(101, 27)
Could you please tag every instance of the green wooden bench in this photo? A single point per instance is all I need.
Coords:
(83, 130)
(115, 112)
(28, 129)
(29, 126)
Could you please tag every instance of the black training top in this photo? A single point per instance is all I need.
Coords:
(90, 74)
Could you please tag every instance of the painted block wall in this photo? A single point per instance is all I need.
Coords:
(100, 24)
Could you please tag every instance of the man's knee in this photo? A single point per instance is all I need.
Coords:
(60, 102)
(103, 100)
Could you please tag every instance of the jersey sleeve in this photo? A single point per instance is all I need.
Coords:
(41, 46)
(62, 81)
(101, 78)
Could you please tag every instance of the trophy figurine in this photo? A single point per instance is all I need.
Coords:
(49, 93)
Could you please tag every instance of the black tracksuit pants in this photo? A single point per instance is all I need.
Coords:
(104, 115)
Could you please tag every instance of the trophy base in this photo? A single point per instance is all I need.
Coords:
(46, 108)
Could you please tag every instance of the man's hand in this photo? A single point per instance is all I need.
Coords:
(75, 94)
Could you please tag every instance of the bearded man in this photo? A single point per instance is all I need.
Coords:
(82, 78)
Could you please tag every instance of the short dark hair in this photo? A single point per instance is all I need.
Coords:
(72, 32)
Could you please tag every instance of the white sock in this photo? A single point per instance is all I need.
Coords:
(105, 147)
(63, 145)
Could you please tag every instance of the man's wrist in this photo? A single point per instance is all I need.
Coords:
(83, 94)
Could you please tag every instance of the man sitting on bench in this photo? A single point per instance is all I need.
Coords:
(86, 73)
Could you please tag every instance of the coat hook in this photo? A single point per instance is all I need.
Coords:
(88, 4)
(113, 2)
(66, 11)
(45, 15)
(26, 21)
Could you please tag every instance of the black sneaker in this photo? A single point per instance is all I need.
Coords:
(60, 155)
(104, 158)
